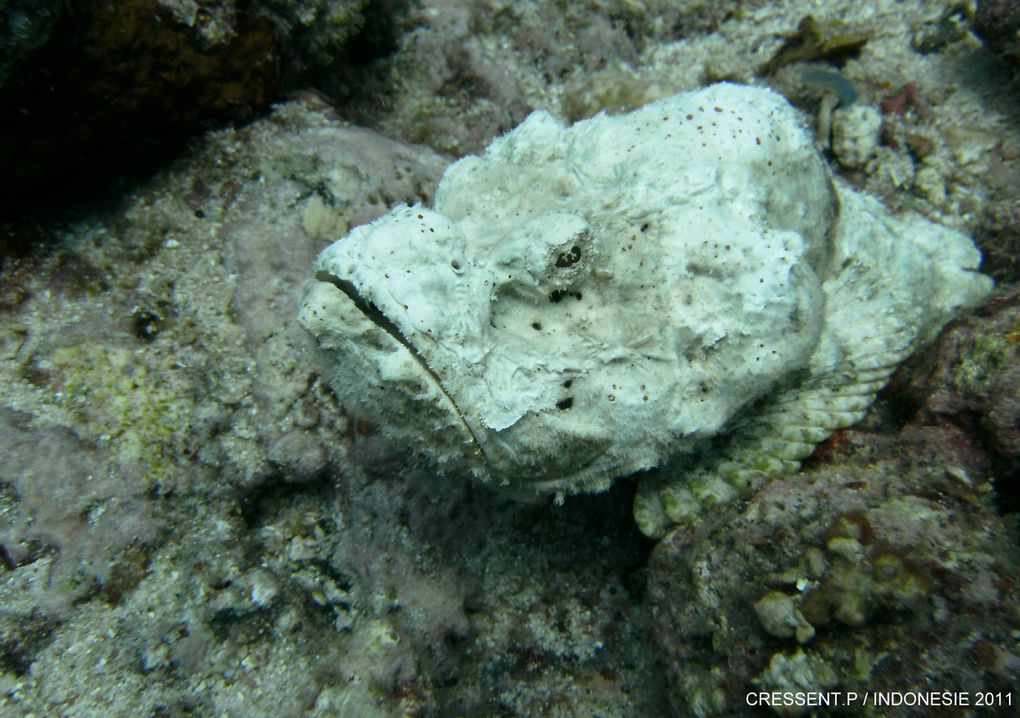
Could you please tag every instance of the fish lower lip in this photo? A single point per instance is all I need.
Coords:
(376, 316)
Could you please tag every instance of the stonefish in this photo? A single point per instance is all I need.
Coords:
(684, 287)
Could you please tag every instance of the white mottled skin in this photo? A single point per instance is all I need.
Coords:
(586, 302)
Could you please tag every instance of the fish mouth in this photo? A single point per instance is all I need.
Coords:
(377, 317)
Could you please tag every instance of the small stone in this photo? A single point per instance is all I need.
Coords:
(847, 548)
(300, 456)
(855, 134)
(11, 341)
(320, 221)
(779, 616)
(929, 183)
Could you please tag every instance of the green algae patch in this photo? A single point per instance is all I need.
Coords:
(978, 367)
(115, 398)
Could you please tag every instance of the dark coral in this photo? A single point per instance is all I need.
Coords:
(970, 381)
(997, 22)
(998, 236)
(119, 87)
(815, 42)
(24, 26)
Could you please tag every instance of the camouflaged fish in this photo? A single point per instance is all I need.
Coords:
(684, 287)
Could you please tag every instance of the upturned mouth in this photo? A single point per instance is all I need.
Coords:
(377, 317)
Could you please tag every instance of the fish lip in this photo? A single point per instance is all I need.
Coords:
(379, 318)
